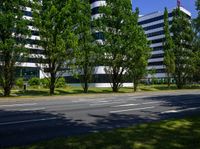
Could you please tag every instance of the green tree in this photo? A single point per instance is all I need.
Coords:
(197, 43)
(197, 20)
(13, 34)
(169, 58)
(183, 51)
(86, 52)
(113, 25)
(138, 50)
(55, 22)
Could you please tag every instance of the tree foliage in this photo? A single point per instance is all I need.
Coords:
(86, 53)
(197, 43)
(13, 34)
(55, 22)
(169, 57)
(113, 25)
(183, 51)
(138, 50)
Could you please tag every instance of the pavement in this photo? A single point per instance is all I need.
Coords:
(29, 120)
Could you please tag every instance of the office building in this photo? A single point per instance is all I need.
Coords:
(153, 25)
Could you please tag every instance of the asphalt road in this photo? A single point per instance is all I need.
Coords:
(27, 121)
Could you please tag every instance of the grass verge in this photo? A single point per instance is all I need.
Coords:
(70, 90)
(169, 134)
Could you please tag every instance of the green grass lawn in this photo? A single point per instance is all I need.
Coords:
(169, 134)
(69, 90)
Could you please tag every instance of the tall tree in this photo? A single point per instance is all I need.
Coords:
(169, 58)
(86, 53)
(197, 20)
(138, 50)
(13, 34)
(112, 24)
(183, 51)
(196, 45)
(55, 22)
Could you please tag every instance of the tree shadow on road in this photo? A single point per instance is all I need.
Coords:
(23, 128)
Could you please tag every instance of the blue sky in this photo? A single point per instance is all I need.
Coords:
(148, 6)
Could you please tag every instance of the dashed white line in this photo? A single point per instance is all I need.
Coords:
(19, 105)
(136, 104)
(100, 104)
(28, 121)
(33, 109)
(182, 110)
(136, 109)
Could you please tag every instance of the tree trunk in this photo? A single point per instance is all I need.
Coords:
(52, 83)
(168, 80)
(6, 86)
(179, 82)
(115, 81)
(7, 91)
(135, 84)
(8, 75)
(86, 86)
(115, 87)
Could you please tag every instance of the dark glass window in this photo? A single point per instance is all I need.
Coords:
(92, 1)
(160, 71)
(155, 33)
(155, 26)
(155, 63)
(35, 33)
(158, 48)
(27, 72)
(95, 10)
(27, 13)
(154, 19)
(157, 55)
(98, 35)
(158, 40)
(36, 51)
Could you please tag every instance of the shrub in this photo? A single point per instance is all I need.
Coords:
(44, 82)
(34, 81)
(19, 82)
(60, 82)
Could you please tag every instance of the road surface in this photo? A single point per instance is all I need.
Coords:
(25, 121)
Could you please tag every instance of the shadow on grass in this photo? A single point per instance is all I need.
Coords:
(184, 134)
(165, 87)
(32, 92)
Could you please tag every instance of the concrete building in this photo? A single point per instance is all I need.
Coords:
(153, 24)
(29, 68)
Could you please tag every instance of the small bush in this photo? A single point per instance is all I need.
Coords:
(34, 81)
(60, 82)
(19, 82)
(44, 82)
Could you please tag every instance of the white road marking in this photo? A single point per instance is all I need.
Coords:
(19, 105)
(145, 103)
(120, 111)
(99, 104)
(33, 109)
(125, 105)
(28, 121)
(182, 110)
(102, 101)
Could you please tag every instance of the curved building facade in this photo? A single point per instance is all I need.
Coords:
(95, 4)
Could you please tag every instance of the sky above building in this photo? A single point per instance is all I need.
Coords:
(149, 6)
